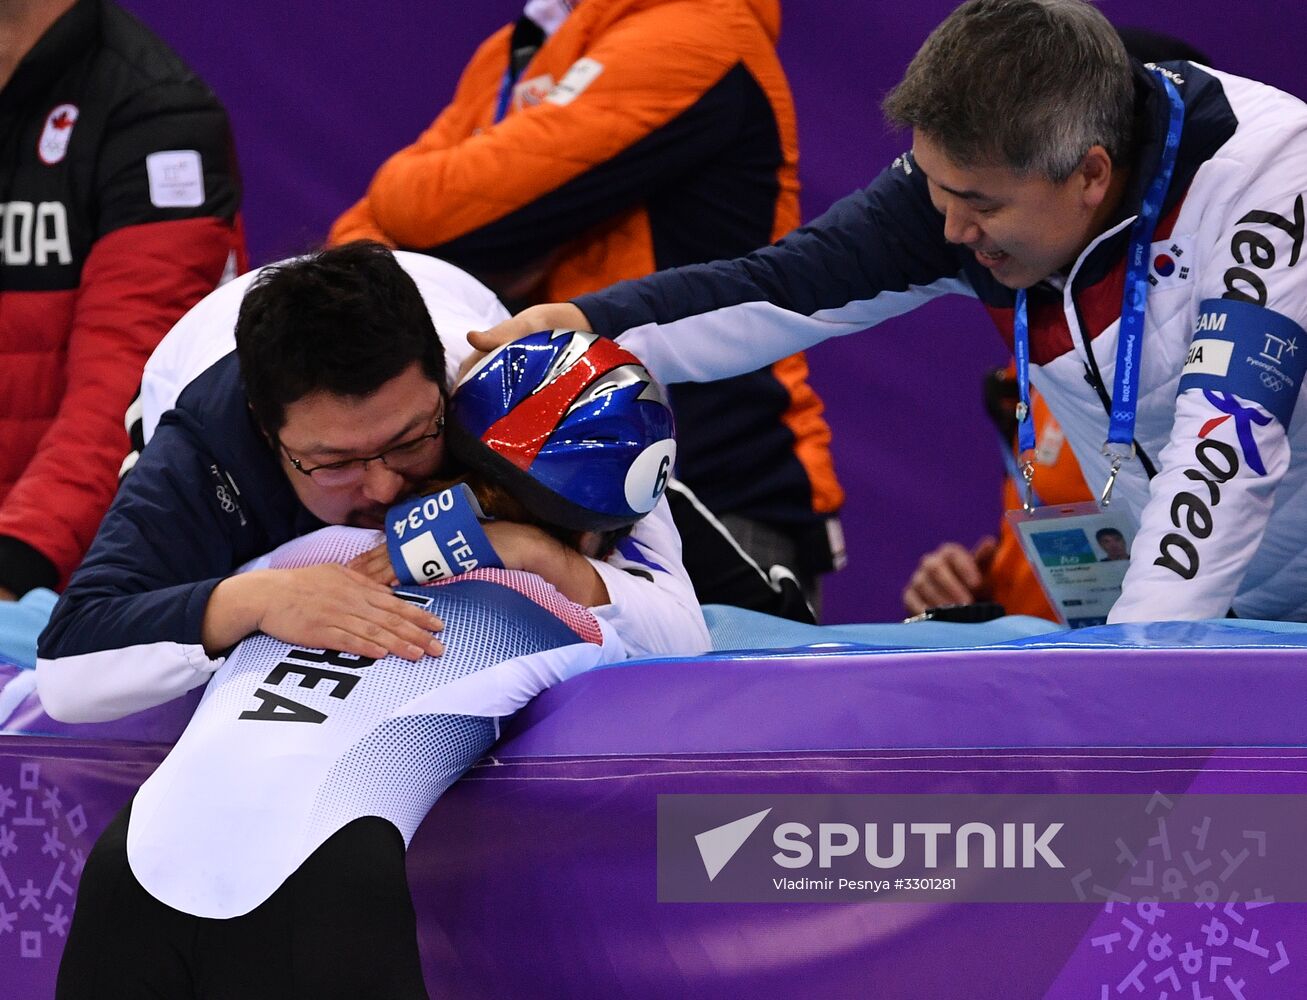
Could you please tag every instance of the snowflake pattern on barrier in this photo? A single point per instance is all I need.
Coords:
(47, 840)
(1170, 958)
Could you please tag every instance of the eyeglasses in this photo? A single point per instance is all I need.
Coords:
(404, 458)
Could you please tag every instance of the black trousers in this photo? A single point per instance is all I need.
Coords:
(341, 926)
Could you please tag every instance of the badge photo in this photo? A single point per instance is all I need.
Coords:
(1080, 553)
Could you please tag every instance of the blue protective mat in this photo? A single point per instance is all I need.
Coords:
(736, 631)
(21, 622)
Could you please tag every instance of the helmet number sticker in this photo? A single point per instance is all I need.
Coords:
(647, 477)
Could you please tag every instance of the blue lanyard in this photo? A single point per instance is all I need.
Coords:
(505, 94)
(1032, 498)
(1129, 345)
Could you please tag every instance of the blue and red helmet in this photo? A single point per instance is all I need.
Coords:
(573, 426)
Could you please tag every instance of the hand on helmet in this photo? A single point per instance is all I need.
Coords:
(547, 316)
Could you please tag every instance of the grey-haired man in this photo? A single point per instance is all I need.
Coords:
(1076, 194)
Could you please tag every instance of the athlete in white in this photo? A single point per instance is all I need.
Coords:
(289, 745)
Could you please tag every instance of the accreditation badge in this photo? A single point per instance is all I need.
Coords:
(1080, 553)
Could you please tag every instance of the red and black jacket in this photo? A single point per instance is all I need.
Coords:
(118, 212)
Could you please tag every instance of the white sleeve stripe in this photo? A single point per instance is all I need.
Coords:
(134, 413)
(742, 338)
(111, 683)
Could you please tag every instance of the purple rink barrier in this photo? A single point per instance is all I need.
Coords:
(56, 796)
(535, 876)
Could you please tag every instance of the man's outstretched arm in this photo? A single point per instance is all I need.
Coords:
(873, 255)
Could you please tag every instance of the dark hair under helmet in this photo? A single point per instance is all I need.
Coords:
(573, 426)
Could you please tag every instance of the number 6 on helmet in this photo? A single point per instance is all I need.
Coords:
(572, 424)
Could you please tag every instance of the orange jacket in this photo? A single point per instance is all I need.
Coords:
(642, 134)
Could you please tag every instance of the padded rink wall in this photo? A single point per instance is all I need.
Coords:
(536, 874)
(319, 94)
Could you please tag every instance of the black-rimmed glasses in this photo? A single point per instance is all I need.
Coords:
(404, 458)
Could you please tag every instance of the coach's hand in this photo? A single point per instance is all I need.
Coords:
(519, 546)
(547, 316)
(949, 575)
(525, 547)
(321, 607)
(375, 564)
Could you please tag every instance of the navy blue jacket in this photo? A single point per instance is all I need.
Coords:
(205, 497)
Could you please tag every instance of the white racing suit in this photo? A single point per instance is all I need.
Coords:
(289, 745)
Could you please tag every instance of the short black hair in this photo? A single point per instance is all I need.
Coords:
(1098, 535)
(344, 321)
